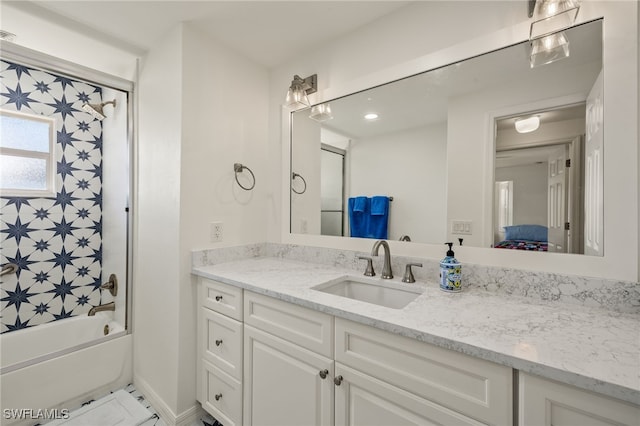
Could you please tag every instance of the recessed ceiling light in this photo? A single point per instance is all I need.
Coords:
(371, 116)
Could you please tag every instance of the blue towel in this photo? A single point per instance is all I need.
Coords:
(379, 205)
(369, 217)
(358, 216)
(360, 204)
(379, 219)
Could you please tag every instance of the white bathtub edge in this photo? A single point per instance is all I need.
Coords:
(57, 383)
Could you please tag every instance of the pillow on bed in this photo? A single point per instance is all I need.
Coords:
(526, 232)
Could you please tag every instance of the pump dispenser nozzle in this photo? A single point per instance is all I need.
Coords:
(450, 251)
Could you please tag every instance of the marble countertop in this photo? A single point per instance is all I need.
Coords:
(590, 348)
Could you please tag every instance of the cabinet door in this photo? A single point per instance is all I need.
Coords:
(362, 400)
(544, 403)
(282, 383)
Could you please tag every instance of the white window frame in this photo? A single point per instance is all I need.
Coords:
(50, 157)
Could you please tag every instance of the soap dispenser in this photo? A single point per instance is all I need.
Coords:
(450, 272)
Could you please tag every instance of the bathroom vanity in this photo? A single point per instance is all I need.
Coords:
(470, 358)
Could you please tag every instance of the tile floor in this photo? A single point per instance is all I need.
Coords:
(155, 420)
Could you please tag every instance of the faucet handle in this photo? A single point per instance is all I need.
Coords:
(408, 273)
(369, 272)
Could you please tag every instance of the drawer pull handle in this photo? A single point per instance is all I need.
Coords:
(323, 374)
(337, 380)
(218, 298)
(218, 396)
(218, 342)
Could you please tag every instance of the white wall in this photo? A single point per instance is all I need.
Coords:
(63, 40)
(195, 123)
(157, 286)
(420, 37)
(224, 121)
(529, 192)
(381, 166)
(305, 208)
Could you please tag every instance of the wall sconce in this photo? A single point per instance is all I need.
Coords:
(527, 125)
(298, 91)
(549, 49)
(321, 112)
(551, 16)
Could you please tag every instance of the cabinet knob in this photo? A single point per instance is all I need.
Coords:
(218, 342)
(218, 298)
(337, 380)
(218, 396)
(323, 374)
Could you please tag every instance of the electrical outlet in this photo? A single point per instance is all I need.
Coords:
(217, 229)
(461, 227)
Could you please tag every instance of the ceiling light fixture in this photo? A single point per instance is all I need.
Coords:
(527, 125)
(370, 116)
(321, 112)
(298, 91)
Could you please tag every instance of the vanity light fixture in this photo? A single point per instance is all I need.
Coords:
(546, 37)
(299, 89)
(551, 16)
(370, 116)
(527, 125)
(321, 112)
(548, 49)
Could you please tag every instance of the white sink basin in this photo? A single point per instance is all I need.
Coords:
(375, 291)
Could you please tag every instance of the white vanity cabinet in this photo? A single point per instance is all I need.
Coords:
(290, 377)
(544, 403)
(288, 364)
(219, 367)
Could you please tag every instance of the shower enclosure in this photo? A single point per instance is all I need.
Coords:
(65, 185)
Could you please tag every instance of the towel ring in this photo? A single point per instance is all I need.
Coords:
(295, 175)
(238, 168)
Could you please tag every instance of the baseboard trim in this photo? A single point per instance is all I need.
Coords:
(185, 418)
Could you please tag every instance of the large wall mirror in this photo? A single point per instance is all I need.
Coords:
(438, 155)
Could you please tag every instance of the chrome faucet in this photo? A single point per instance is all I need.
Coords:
(111, 306)
(386, 268)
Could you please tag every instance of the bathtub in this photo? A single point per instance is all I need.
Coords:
(62, 364)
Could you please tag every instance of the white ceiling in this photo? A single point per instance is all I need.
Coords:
(268, 32)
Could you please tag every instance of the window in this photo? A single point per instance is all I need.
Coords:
(27, 160)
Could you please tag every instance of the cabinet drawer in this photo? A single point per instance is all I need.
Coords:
(476, 388)
(222, 298)
(307, 328)
(545, 402)
(221, 395)
(222, 337)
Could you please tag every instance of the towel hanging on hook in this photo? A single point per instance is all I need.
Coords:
(238, 168)
(295, 175)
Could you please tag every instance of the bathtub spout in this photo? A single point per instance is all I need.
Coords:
(106, 307)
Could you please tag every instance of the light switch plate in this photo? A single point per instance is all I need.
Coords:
(461, 227)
